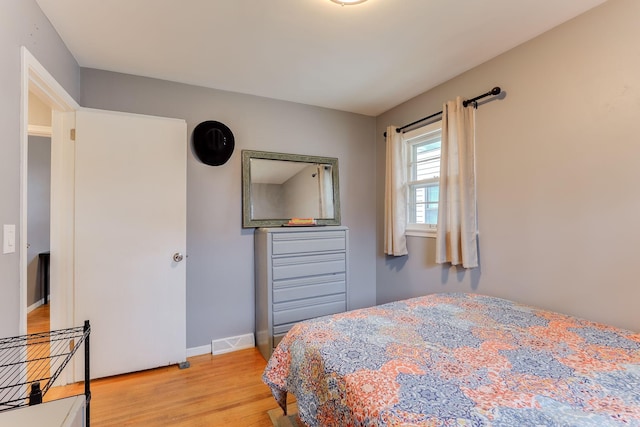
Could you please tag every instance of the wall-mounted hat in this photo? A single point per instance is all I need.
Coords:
(213, 143)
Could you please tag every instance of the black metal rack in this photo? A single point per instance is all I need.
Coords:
(30, 364)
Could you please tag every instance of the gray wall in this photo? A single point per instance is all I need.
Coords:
(558, 167)
(38, 211)
(220, 290)
(302, 194)
(22, 24)
(267, 201)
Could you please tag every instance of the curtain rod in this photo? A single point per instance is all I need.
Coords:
(495, 91)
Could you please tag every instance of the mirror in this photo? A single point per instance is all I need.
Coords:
(277, 187)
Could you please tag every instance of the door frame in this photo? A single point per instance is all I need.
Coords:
(35, 78)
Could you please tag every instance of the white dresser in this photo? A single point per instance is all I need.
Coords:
(301, 273)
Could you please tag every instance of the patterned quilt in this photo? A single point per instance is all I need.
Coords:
(458, 360)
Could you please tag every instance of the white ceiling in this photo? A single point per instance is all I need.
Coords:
(364, 58)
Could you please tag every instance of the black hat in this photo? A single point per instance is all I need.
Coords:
(213, 143)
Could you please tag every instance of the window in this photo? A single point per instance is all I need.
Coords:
(423, 160)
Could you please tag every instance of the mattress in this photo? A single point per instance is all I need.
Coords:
(458, 359)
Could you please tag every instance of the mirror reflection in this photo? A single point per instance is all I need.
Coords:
(291, 189)
(278, 187)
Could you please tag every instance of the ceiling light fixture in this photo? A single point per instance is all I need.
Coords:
(343, 2)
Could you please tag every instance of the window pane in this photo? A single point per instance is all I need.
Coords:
(433, 193)
(423, 204)
(423, 161)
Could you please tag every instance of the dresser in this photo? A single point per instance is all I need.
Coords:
(301, 273)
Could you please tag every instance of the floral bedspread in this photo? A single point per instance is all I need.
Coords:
(458, 359)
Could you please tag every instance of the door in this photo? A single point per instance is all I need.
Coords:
(130, 220)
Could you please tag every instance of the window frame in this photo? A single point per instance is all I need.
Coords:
(414, 229)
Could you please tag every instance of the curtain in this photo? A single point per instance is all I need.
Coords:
(326, 191)
(456, 237)
(395, 195)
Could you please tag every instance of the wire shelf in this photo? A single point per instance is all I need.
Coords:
(30, 364)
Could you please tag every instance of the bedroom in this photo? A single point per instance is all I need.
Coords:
(544, 191)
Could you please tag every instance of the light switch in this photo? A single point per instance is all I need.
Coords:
(9, 239)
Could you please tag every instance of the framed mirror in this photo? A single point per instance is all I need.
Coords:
(277, 187)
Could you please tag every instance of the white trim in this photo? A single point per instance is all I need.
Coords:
(431, 127)
(418, 230)
(42, 84)
(24, 161)
(227, 345)
(38, 130)
(35, 305)
(62, 221)
(199, 351)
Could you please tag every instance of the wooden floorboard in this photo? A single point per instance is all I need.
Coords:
(224, 390)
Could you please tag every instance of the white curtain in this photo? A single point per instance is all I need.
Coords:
(456, 238)
(395, 195)
(325, 180)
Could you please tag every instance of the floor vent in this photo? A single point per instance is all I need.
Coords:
(226, 345)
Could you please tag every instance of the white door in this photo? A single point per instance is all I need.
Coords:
(130, 220)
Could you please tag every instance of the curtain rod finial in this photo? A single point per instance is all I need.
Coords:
(398, 130)
(496, 90)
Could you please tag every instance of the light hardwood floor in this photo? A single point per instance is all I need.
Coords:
(224, 390)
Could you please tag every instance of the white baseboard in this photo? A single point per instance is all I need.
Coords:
(226, 345)
(199, 351)
(35, 305)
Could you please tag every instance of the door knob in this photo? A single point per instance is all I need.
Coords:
(177, 257)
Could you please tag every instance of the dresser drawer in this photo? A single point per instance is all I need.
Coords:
(309, 287)
(309, 265)
(280, 331)
(277, 339)
(304, 242)
(283, 329)
(295, 311)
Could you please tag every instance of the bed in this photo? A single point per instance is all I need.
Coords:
(458, 359)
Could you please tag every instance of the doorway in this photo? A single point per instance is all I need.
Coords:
(38, 233)
(46, 111)
(38, 214)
